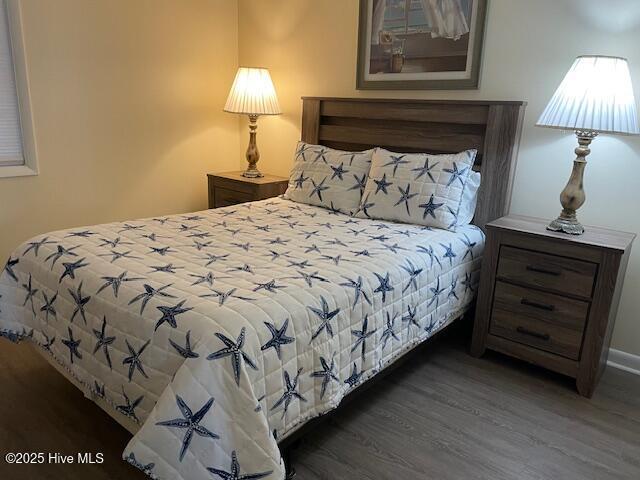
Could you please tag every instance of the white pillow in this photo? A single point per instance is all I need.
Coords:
(419, 188)
(469, 199)
(329, 178)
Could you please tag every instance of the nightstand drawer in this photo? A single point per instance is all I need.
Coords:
(565, 275)
(224, 198)
(542, 320)
(231, 188)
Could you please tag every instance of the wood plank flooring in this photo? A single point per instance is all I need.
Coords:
(443, 415)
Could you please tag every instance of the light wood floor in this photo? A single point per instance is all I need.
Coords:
(443, 416)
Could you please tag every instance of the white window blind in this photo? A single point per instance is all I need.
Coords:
(11, 151)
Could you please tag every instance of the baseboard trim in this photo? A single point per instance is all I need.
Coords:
(624, 361)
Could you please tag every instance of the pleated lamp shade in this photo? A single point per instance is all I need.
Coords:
(252, 93)
(596, 94)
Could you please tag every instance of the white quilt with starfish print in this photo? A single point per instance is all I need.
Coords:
(221, 332)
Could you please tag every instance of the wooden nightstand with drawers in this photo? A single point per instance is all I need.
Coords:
(231, 188)
(550, 298)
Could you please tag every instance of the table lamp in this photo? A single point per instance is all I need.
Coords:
(252, 94)
(596, 96)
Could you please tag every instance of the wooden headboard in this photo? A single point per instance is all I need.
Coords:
(431, 126)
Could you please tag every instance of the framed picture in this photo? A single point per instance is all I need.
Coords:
(420, 44)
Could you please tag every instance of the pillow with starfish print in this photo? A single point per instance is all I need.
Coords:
(418, 188)
(333, 179)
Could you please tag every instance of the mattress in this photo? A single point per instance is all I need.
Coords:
(221, 332)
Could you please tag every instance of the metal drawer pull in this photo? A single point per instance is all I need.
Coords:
(541, 336)
(547, 271)
(542, 306)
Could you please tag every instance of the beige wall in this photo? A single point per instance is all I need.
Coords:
(310, 48)
(127, 103)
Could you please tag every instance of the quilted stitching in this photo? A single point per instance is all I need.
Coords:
(417, 188)
(222, 272)
(328, 178)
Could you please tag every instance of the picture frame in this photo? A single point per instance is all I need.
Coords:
(436, 45)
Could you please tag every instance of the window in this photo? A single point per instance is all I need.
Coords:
(406, 17)
(17, 147)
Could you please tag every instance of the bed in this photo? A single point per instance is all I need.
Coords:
(215, 336)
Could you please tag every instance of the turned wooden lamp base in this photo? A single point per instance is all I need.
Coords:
(253, 155)
(572, 197)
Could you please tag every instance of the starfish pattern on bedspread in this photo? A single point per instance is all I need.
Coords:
(145, 468)
(116, 282)
(389, 331)
(113, 243)
(149, 293)
(70, 269)
(278, 337)
(355, 376)
(325, 315)
(448, 253)
(437, 291)
(384, 286)
(190, 422)
(310, 277)
(81, 234)
(234, 472)
(115, 255)
(133, 360)
(224, 296)
(357, 287)
(129, 407)
(362, 336)
(31, 293)
(59, 253)
(469, 244)
(49, 306)
(48, 342)
(235, 351)
(410, 318)
(169, 314)
(431, 253)
(72, 344)
(290, 392)
(327, 374)
(186, 351)
(80, 302)
(468, 284)
(12, 262)
(413, 272)
(35, 246)
(275, 309)
(104, 342)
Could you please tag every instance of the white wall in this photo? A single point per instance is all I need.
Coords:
(310, 47)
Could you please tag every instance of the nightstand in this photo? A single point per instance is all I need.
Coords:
(231, 188)
(550, 298)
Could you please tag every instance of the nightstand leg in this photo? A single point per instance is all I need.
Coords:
(585, 387)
